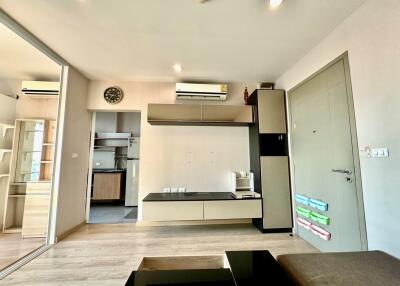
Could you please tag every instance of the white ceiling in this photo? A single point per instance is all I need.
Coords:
(220, 40)
(19, 60)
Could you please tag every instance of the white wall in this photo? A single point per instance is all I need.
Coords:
(36, 108)
(75, 140)
(106, 122)
(7, 103)
(371, 36)
(129, 122)
(199, 158)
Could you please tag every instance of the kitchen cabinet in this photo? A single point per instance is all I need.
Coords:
(107, 186)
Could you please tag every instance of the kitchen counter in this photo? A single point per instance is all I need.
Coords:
(193, 196)
(108, 171)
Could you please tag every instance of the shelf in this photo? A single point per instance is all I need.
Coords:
(104, 138)
(4, 175)
(17, 196)
(4, 151)
(200, 114)
(46, 162)
(13, 229)
(17, 184)
(6, 127)
(48, 144)
(110, 146)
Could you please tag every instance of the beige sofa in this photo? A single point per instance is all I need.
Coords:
(369, 268)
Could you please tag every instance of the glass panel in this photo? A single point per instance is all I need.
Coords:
(29, 151)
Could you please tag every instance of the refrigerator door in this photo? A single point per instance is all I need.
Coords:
(132, 183)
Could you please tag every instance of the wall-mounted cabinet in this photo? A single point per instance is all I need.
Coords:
(271, 112)
(199, 114)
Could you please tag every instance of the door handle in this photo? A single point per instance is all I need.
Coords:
(343, 171)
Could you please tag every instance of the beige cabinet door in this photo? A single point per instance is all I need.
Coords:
(36, 210)
(235, 209)
(276, 192)
(171, 211)
(271, 111)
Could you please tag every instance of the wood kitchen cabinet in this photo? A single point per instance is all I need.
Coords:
(107, 186)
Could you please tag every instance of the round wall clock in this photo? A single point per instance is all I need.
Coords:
(113, 95)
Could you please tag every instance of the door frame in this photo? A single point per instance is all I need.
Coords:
(353, 130)
(90, 167)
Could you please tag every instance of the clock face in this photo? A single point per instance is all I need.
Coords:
(113, 95)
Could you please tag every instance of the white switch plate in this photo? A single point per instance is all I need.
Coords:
(380, 152)
(75, 155)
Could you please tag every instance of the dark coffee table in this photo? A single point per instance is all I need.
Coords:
(247, 268)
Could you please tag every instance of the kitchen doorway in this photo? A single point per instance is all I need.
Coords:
(325, 160)
(114, 168)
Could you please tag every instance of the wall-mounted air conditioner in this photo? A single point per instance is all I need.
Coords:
(199, 91)
(41, 89)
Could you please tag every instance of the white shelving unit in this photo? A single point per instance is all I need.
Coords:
(6, 145)
(19, 206)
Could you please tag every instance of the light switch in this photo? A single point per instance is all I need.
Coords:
(380, 152)
(75, 155)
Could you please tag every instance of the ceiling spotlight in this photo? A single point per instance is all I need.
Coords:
(275, 3)
(177, 68)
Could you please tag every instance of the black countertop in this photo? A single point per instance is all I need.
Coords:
(195, 196)
(95, 171)
(247, 268)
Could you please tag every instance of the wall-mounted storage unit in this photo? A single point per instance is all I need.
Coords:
(199, 206)
(269, 159)
(199, 114)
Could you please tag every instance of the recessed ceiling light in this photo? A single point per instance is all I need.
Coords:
(275, 3)
(177, 68)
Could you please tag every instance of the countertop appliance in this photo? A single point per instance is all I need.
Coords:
(243, 185)
(132, 172)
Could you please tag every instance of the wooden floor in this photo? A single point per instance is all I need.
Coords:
(101, 254)
(13, 247)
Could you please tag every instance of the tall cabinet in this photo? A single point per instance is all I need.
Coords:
(269, 159)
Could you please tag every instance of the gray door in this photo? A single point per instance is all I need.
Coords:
(323, 159)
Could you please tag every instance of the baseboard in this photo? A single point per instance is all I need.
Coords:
(193, 222)
(70, 231)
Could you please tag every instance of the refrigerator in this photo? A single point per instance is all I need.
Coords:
(132, 172)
